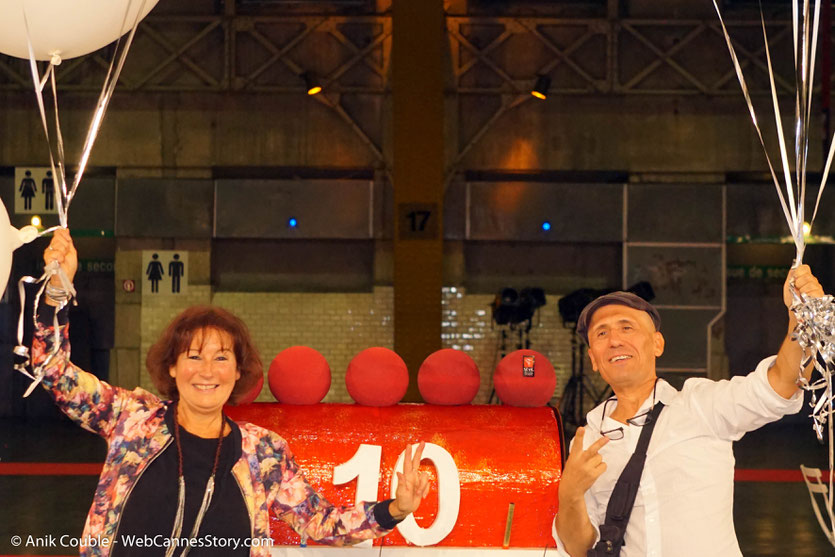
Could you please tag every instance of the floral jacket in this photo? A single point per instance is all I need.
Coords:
(133, 424)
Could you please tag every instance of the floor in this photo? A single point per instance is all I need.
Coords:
(773, 518)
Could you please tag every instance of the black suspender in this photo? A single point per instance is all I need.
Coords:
(613, 530)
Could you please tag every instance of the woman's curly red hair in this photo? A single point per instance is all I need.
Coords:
(177, 338)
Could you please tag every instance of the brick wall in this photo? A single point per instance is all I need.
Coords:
(339, 325)
(467, 325)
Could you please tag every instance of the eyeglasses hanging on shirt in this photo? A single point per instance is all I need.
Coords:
(638, 420)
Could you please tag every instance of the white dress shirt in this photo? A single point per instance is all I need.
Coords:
(684, 506)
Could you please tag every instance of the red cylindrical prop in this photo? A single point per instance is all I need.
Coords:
(502, 455)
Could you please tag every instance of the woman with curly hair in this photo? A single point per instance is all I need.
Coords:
(180, 478)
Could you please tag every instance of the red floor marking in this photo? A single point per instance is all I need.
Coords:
(773, 475)
(50, 469)
(94, 469)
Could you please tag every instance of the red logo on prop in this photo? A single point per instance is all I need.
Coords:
(128, 285)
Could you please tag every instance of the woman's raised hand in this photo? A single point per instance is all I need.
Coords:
(412, 486)
(62, 250)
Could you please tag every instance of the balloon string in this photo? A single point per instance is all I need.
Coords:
(62, 196)
(815, 330)
(780, 136)
(789, 215)
(21, 350)
(57, 158)
(62, 184)
(60, 178)
(109, 86)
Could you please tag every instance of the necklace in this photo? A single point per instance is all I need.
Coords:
(181, 496)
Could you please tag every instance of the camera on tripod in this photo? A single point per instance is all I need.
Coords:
(513, 308)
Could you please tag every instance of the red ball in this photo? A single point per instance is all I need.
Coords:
(377, 377)
(299, 375)
(253, 393)
(448, 377)
(515, 389)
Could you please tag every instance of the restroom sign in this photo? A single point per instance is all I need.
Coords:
(164, 272)
(34, 190)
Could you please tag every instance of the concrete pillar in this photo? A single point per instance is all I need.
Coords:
(418, 163)
(125, 357)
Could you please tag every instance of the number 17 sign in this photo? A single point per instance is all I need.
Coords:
(417, 221)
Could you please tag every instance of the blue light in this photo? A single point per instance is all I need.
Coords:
(546, 226)
(292, 223)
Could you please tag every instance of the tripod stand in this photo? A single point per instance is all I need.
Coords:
(579, 387)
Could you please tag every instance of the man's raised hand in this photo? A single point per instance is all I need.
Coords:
(582, 468)
(804, 283)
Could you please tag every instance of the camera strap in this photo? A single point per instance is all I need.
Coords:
(619, 509)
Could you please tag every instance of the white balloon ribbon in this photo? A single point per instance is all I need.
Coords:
(815, 330)
(57, 160)
(21, 350)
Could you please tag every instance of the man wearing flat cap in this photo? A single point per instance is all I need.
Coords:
(683, 496)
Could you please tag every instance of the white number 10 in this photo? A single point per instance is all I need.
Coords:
(365, 466)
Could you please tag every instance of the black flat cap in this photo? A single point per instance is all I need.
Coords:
(620, 298)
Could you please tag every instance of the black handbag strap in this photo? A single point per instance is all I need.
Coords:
(622, 500)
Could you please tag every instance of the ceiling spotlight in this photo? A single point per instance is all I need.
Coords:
(311, 84)
(540, 88)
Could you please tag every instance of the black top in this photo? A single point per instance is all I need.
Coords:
(148, 516)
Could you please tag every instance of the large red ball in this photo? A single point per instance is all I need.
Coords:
(448, 377)
(253, 393)
(299, 375)
(377, 377)
(515, 389)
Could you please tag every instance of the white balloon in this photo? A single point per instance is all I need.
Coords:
(66, 28)
(10, 239)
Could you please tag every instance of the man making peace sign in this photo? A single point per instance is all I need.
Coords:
(682, 504)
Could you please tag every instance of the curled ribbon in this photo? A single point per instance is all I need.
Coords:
(815, 333)
(57, 162)
(21, 350)
(815, 330)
